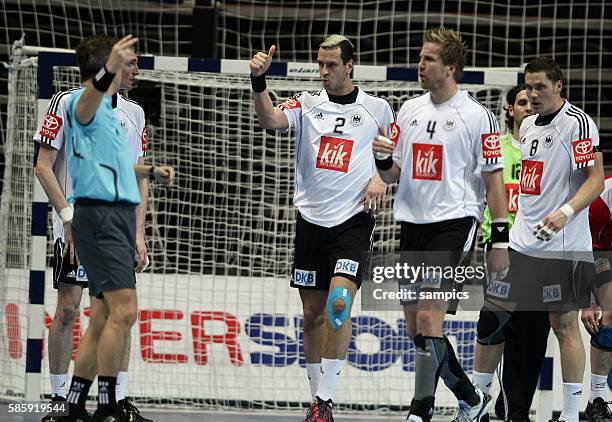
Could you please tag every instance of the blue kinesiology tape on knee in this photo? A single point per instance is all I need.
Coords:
(337, 319)
(603, 339)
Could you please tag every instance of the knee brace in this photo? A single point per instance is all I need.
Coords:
(337, 319)
(603, 339)
(490, 325)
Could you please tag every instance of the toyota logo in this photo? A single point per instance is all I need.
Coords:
(491, 141)
(51, 122)
(394, 131)
(583, 147)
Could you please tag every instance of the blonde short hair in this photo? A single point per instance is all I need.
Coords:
(453, 50)
(347, 50)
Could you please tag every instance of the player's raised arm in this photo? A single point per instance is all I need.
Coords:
(383, 149)
(269, 116)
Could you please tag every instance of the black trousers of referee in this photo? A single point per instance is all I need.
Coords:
(526, 336)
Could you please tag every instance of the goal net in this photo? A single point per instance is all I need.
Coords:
(218, 324)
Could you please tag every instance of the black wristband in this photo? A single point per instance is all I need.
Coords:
(258, 83)
(152, 173)
(500, 233)
(103, 79)
(385, 164)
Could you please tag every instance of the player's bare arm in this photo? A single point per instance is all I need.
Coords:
(269, 116)
(121, 54)
(48, 180)
(498, 260)
(383, 149)
(589, 191)
(141, 215)
(374, 198)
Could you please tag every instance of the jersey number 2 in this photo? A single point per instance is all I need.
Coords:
(339, 123)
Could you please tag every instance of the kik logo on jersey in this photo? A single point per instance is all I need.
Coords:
(512, 194)
(427, 161)
(334, 154)
(531, 176)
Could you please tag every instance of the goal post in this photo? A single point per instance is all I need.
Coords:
(218, 325)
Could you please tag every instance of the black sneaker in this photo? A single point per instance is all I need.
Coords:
(598, 411)
(129, 412)
(50, 417)
(81, 416)
(108, 418)
(320, 411)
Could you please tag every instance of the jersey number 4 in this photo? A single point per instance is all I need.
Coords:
(431, 128)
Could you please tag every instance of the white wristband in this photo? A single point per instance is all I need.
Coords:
(567, 210)
(66, 214)
(501, 245)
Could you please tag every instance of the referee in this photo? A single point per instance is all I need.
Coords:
(105, 193)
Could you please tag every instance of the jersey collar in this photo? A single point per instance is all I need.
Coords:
(547, 120)
(350, 98)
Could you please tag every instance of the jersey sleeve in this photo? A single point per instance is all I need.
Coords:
(397, 154)
(584, 142)
(599, 218)
(390, 124)
(144, 142)
(292, 108)
(488, 147)
(51, 130)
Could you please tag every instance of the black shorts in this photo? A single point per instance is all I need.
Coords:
(64, 271)
(325, 252)
(544, 284)
(452, 242)
(105, 238)
(603, 273)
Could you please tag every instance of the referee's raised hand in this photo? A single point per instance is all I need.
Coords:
(121, 53)
(260, 63)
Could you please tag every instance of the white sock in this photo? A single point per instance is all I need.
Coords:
(483, 381)
(572, 396)
(330, 374)
(122, 379)
(598, 387)
(58, 383)
(314, 372)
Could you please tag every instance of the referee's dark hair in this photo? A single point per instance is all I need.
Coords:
(510, 100)
(92, 53)
(347, 50)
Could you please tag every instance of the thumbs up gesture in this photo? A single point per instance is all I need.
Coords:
(260, 63)
(382, 146)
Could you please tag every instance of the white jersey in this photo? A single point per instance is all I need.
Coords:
(441, 151)
(51, 133)
(334, 152)
(552, 170)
